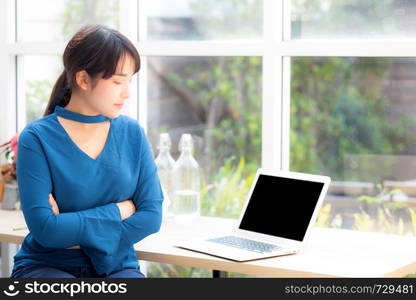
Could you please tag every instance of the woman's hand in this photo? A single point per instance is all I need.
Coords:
(55, 210)
(127, 208)
(53, 205)
(75, 247)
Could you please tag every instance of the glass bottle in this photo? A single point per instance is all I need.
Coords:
(165, 163)
(186, 178)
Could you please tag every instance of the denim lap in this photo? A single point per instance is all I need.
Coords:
(40, 272)
(71, 272)
(127, 273)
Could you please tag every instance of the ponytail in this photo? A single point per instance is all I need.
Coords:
(60, 95)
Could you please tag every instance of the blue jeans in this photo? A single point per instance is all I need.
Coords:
(70, 272)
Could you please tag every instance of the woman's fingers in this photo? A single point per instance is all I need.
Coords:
(131, 208)
(55, 209)
(74, 247)
(54, 205)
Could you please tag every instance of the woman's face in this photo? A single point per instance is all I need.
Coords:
(109, 95)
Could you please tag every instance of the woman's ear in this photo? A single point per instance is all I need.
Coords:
(83, 79)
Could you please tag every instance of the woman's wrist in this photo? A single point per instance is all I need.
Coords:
(127, 208)
(120, 209)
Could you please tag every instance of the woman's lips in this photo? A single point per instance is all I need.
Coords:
(119, 106)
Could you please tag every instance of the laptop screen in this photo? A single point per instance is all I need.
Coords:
(281, 207)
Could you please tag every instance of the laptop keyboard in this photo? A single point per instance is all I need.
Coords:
(245, 244)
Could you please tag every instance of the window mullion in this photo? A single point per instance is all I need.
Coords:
(142, 78)
(286, 77)
(128, 27)
(7, 74)
(272, 86)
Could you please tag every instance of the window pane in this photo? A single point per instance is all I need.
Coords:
(38, 75)
(354, 120)
(44, 20)
(353, 19)
(218, 101)
(203, 19)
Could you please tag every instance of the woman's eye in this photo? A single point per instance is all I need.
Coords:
(117, 82)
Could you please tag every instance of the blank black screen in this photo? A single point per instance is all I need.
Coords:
(281, 207)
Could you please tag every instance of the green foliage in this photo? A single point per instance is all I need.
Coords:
(227, 90)
(37, 95)
(79, 13)
(352, 18)
(214, 17)
(323, 217)
(171, 271)
(156, 270)
(226, 195)
(338, 109)
(384, 221)
(413, 216)
(391, 215)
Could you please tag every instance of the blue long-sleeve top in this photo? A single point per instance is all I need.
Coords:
(86, 191)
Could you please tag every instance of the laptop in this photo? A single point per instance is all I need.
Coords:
(280, 210)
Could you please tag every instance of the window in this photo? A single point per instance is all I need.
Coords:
(353, 118)
(311, 86)
(218, 101)
(62, 18)
(362, 19)
(36, 74)
(203, 19)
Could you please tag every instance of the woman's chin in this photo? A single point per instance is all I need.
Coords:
(113, 114)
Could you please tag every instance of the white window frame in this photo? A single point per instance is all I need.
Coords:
(275, 49)
(8, 126)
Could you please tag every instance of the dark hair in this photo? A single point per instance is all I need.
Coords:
(96, 49)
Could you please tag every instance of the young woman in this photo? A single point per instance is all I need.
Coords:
(88, 184)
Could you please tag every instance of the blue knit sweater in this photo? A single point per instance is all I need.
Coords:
(86, 191)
